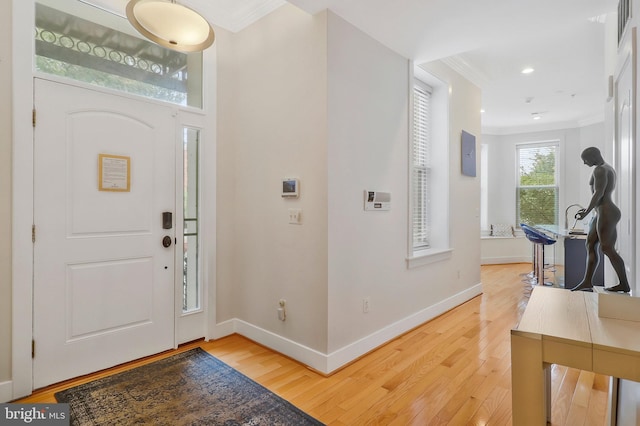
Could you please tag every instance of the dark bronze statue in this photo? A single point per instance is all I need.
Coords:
(602, 229)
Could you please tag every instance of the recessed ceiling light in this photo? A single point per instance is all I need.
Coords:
(527, 70)
(482, 111)
(537, 117)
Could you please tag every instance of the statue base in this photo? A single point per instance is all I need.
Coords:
(622, 306)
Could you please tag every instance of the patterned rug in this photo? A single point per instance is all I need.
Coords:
(190, 388)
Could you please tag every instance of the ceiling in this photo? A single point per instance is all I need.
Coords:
(491, 41)
(488, 41)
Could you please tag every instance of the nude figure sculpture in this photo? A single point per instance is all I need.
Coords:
(602, 228)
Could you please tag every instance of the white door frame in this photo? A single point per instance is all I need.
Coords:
(627, 61)
(23, 51)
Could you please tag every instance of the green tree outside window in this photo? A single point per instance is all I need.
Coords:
(537, 190)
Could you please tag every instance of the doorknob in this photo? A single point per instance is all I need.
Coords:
(166, 241)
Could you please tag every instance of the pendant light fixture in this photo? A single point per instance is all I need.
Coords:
(170, 24)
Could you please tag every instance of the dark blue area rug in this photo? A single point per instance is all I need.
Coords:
(189, 388)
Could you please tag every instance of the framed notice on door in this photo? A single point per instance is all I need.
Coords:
(114, 173)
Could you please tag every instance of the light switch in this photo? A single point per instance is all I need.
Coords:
(295, 216)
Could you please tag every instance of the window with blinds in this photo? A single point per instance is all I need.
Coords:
(624, 13)
(537, 187)
(421, 166)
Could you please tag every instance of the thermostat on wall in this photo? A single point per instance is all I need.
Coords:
(376, 200)
(290, 187)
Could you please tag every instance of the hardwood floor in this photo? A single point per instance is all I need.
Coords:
(453, 370)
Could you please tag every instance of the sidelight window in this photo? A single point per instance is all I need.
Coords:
(191, 288)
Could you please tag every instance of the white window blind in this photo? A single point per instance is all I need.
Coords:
(537, 187)
(421, 167)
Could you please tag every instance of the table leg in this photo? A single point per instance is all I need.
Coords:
(530, 393)
(612, 407)
(547, 390)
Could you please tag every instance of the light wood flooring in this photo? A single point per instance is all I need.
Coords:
(453, 370)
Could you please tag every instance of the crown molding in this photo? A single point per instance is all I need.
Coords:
(471, 73)
(245, 16)
(533, 128)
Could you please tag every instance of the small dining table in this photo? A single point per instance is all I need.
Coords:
(563, 327)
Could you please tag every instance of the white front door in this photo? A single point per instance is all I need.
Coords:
(103, 280)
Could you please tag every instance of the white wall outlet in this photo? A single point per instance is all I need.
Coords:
(366, 305)
(282, 312)
(295, 216)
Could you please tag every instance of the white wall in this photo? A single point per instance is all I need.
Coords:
(5, 191)
(226, 182)
(500, 250)
(368, 149)
(315, 98)
(272, 124)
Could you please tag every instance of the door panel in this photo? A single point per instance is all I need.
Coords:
(94, 212)
(94, 310)
(103, 282)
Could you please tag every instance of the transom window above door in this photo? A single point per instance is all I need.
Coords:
(77, 48)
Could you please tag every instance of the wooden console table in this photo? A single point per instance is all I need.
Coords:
(563, 327)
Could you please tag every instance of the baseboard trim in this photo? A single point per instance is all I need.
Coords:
(304, 354)
(223, 329)
(300, 353)
(351, 352)
(502, 260)
(327, 364)
(6, 391)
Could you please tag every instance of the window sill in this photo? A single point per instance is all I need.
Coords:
(427, 257)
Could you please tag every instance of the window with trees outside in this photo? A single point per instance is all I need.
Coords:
(537, 188)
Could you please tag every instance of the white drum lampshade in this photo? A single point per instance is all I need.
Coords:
(170, 24)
